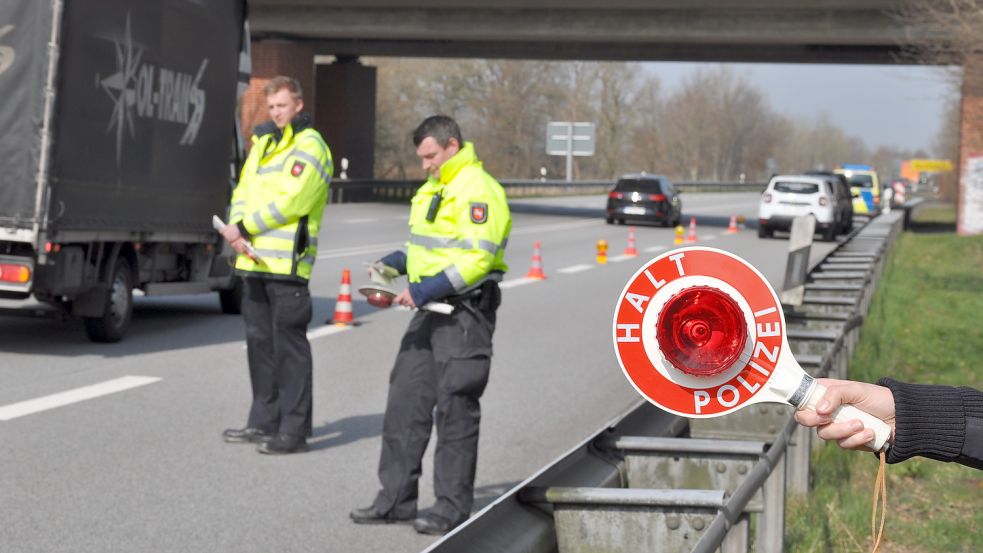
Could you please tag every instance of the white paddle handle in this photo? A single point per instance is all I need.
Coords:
(846, 413)
(438, 307)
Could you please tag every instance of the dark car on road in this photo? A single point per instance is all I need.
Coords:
(644, 197)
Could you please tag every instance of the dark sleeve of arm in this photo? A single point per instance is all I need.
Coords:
(396, 260)
(938, 422)
(431, 288)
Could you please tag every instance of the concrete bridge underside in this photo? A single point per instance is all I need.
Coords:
(289, 33)
(819, 31)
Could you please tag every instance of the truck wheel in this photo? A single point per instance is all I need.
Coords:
(829, 234)
(764, 231)
(118, 309)
(231, 298)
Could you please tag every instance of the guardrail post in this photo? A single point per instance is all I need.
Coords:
(770, 528)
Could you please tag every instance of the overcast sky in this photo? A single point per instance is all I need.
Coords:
(899, 106)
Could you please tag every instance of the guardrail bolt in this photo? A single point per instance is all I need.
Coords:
(721, 467)
(698, 524)
(741, 469)
(672, 521)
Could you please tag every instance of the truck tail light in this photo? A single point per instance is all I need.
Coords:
(657, 197)
(15, 273)
(616, 195)
(766, 198)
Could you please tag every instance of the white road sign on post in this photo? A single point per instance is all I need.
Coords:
(564, 138)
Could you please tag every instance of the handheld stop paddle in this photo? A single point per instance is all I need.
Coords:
(699, 332)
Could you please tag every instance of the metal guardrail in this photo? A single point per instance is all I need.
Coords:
(359, 190)
(653, 481)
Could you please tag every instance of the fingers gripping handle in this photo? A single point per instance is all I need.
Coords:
(846, 413)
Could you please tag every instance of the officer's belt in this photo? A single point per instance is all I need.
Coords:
(475, 291)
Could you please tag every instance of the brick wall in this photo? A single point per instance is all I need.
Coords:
(272, 58)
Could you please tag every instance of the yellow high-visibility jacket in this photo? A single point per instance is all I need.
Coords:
(280, 199)
(466, 241)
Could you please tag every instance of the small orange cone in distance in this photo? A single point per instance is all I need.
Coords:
(691, 237)
(630, 250)
(732, 227)
(536, 270)
(343, 307)
(680, 231)
(602, 252)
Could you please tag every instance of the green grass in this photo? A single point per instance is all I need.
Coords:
(925, 325)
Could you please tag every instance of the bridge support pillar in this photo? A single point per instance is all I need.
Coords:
(345, 99)
(970, 213)
(271, 58)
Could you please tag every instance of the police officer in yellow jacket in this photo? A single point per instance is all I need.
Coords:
(276, 209)
(459, 224)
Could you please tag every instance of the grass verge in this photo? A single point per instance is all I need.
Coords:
(925, 325)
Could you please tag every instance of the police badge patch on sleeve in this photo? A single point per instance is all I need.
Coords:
(479, 212)
(297, 169)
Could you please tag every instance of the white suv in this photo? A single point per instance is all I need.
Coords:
(788, 196)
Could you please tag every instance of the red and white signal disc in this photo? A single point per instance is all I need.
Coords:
(698, 332)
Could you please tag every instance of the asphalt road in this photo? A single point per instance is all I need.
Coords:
(144, 469)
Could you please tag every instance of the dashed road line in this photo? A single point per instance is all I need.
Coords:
(575, 269)
(518, 282)
(31, 406)
(326, 330)
(620, 258)
(651, 249)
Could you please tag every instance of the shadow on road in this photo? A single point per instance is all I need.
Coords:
(159, 324)
(346, 431)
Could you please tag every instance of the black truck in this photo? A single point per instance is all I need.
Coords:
(119, 144)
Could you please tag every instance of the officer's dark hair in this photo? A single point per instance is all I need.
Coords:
(441, 128)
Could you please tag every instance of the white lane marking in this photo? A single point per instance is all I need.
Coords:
(518, 282)
(357, 221)
(557, 226)
(361, 250)
(326, 330)
(619, 258)
(31, 406)
(656, 248)
(710, 237)
(575, 269)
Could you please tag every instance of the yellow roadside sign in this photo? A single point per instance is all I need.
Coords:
(931, 165)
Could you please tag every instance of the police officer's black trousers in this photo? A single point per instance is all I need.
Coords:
(277, 313)
(443, 362)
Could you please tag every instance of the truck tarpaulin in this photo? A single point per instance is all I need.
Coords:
(145, 115)
(25, 28)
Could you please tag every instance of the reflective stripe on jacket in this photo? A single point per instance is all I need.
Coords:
(280, 200)
(467, 238)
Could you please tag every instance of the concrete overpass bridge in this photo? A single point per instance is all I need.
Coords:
(289, 33)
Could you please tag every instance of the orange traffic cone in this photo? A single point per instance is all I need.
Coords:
(630, 250)
(691, 237)
(343, 307)
(602, 252)
(680, 231)
(536, 270)
(732, 227)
